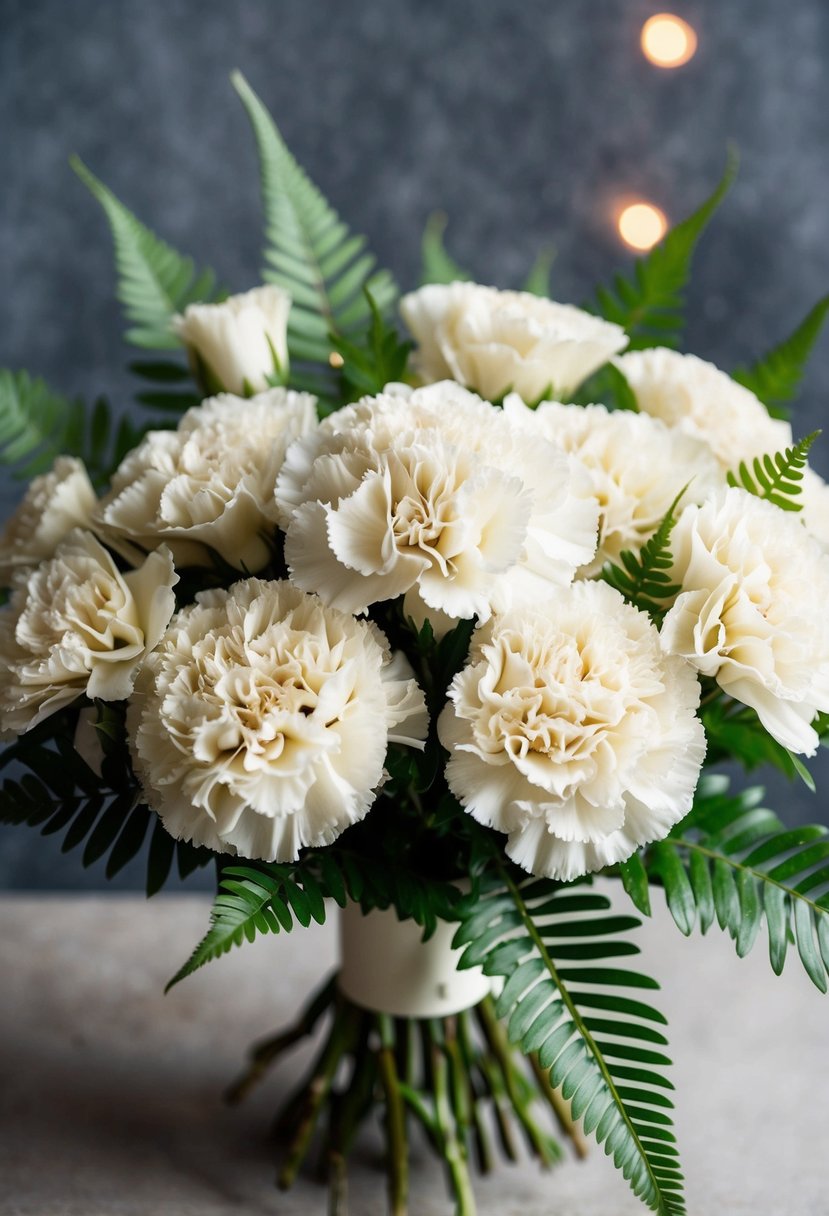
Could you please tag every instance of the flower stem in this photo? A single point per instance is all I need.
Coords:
(453, 1150)
(398, 1149)
(343, 1032)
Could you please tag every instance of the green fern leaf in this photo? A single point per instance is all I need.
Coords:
(733, 860)
(564, 1001)
(154, 282)
(642, 578)
(776, 377)
(311, 253)
(650, 304)
(776, 476)
(36, 424)
(438, 266)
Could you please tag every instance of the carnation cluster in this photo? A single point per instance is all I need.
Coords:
(261, 714)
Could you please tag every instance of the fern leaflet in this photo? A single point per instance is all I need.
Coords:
(643, 578)
(564, 1001)
(154, 281)
(312, 254)
(776, 476)
(650, 304)
(776, 377)
(438, 266)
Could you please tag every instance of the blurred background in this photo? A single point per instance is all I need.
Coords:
(528, 125)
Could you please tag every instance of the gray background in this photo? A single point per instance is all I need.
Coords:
(524, 122)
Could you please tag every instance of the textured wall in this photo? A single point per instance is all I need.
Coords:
(522, 121)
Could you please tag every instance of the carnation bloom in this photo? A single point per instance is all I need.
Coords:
(706, 403)
(77, 625)
(496, 341)
(752, 612)
(437, 494)
(241, 342)
(814, 503)
(209, 484)
(54, 504)
(636, 465)
(572, 732)
(261, 723)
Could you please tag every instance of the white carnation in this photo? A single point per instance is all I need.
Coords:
(261, 723)
(706, 403)
(435, 493)
(636, 465)
(753, 610)
(209, 484)
(54, 504)
(77, 625)
(496, 341)
(242, 341)
(572, 732)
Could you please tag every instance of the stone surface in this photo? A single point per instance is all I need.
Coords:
(526, 123)
(109, 1100)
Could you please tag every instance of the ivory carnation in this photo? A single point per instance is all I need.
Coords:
(572, 732)
(240, 342)
(77, 625)
(261, 723)
(752, 610)
(437, 494)
(54, 504)
(814, 502)
(497, 341)
(636, 464)
(209, 484)
(704, 402)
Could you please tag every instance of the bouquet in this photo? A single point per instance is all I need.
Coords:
(437, 629)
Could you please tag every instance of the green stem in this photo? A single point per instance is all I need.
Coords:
(453, 1151)
(483, 1147)
(263, 1055)
(317, 1089)
(543, 1146)
(398, 1149)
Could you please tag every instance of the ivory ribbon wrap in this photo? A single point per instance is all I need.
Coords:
(385, 966)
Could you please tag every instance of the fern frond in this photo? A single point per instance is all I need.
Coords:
(776, 377)
(310, 252)
(565, 1000)
(650, 304)
(154, 281)
(642, 578)
(776, 476)
(732, 860)
(269, 897)
(438, 266)
(36, 424)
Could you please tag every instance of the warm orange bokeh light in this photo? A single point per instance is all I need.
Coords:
(668, 41)
(641, 225)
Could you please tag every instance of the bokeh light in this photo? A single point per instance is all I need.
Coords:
(668, 41)
(641, 225)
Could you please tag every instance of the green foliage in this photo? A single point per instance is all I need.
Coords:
(154, 281)
(438, 266)
(643, 577)
(258, 898)
(312, 254)
(732, 860)
(607, 386)
(735, 732)
(375, 362)
(650, 304)
(537, 282)
(564, 999)
(776, 377)
(776, 476)
(55, 790)
(37, 425)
